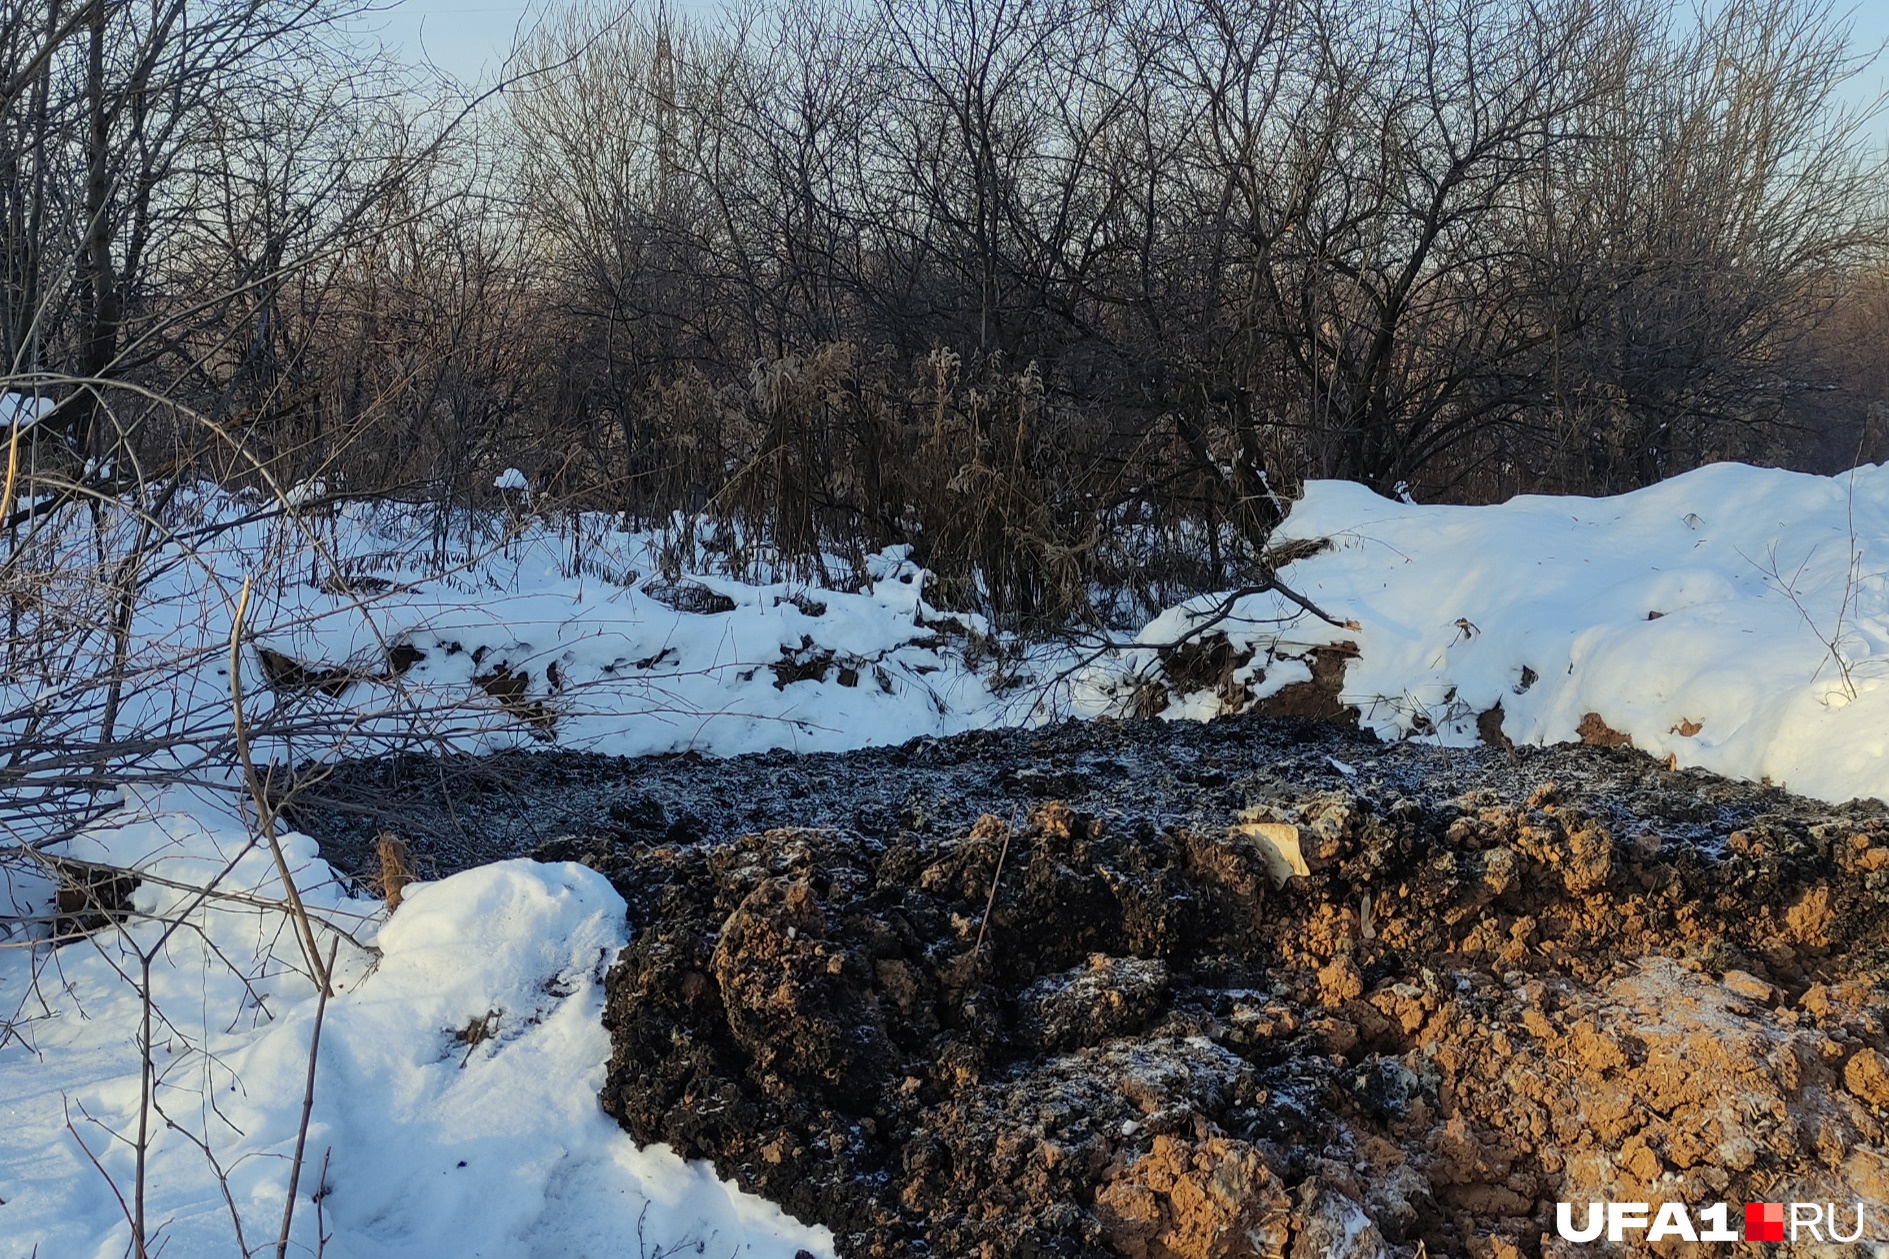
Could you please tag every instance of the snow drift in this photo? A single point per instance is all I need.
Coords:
(1733, 618)
(424, 1140)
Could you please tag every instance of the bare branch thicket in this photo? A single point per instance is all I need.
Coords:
(1726, 210)
(1071, 297)
(198, 200)
(188, 191)
(1068, 297)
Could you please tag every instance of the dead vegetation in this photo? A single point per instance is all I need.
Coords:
(396, 868)
(810, 280)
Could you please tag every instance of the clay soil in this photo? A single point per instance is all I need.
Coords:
(1059, 993)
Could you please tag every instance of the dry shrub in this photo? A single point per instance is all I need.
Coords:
(1006, 490)
(396, 868)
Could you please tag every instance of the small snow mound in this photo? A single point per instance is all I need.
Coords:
(302, 493)
(510, 479)
(455, 1108)
(23, 410)
(528, 922)
(893, 561)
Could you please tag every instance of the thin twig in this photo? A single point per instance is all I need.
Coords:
(321, 1192)
(977, 950)
(222, 1176)
(209, 893)
(265, 813)
(136, 1238)
(145, 1071)
(308, 1105)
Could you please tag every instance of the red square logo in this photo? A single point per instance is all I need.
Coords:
(1764, 1221)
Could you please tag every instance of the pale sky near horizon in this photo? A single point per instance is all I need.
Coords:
(464, 39)
(468, 38)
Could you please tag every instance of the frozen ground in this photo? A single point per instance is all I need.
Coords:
(1733, 619)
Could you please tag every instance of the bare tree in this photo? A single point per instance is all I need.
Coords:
(1724, 195)
(1460, 246)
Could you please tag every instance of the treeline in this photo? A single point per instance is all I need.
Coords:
(1070, 294)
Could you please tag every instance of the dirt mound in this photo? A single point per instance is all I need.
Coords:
(1162, 1042)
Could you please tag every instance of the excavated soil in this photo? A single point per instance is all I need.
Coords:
(1257, 988)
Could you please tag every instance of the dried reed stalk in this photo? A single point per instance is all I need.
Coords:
(396, 868)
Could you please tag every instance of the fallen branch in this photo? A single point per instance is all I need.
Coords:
(1223, 611)
(990, 901)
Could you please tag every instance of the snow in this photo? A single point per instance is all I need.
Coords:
(624, 673)
(306, 493)
(510, 479)
(1733, 618)
(580, 610)
(23, 410)
(432, 1146)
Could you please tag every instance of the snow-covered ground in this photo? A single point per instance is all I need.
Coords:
(573, 621)
(419, 1143)
(1732, 618)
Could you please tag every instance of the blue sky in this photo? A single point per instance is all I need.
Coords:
(468, 37)
(464, 39)
(1871, 30)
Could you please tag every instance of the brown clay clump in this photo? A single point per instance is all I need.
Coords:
(1171, 1043)
(1195, 1200)
(1595, 732)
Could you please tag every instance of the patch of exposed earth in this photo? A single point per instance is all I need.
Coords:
(458, 812)
(1251, 988)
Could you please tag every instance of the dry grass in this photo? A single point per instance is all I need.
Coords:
(396, 868)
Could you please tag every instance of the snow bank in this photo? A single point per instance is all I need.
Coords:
(433, 1146)
(1733, 618)
(522, 633)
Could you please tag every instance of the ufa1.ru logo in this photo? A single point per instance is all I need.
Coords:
(1764, 1222)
